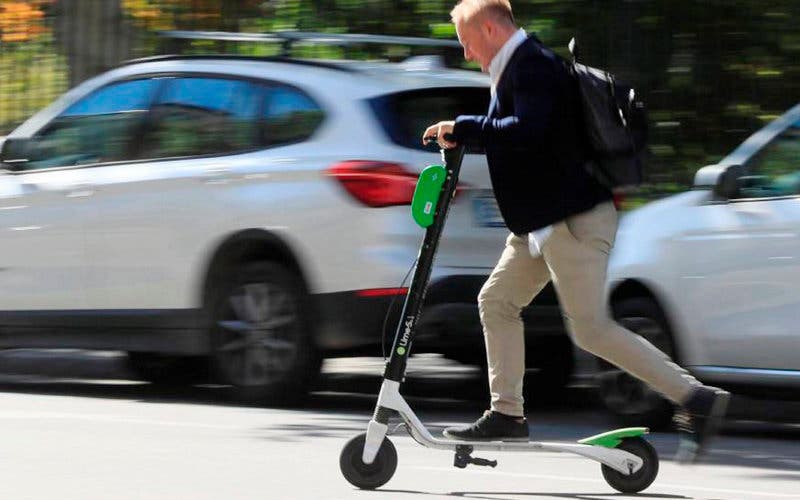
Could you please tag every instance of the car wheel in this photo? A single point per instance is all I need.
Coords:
(631, 400)
(549, 366)
(261, 339)
(162, 369)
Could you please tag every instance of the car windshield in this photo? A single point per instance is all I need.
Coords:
(774, 170)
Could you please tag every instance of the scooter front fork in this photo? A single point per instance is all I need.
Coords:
(379, 425)
(376, 433)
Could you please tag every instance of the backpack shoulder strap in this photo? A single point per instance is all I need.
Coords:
(573, 49)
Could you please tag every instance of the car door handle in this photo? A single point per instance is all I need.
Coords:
(216, 171)
(216, 175)
(80, 191)
(753, 211)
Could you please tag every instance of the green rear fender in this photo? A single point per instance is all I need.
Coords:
(426, 194)
(611, 439)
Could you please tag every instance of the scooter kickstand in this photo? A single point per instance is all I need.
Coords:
(464, 457)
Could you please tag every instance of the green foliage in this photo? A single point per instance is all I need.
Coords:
(31, 76)
(710, 71)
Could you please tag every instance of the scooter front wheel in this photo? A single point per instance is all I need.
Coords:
(642, 478)
(367, 476)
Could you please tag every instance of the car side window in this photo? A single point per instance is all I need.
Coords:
(289, 116)
(775, 169)
(101, 127)
(203, 115)
(405, 115)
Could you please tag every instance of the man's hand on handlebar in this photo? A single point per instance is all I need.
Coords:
(441, 133)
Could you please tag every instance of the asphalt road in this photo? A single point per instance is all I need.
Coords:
(74, 425)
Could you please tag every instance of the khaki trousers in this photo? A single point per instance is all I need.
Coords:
(575, 257)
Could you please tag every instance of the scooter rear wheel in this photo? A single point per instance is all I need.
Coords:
(640, 479)
(367, 476)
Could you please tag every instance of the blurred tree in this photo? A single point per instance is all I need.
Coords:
(28, 75)
(21, 21)
(711, 71)
(94, 35)
(153, 16)
(217, 15)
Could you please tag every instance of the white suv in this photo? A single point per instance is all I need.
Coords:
(251, 211)
(712, 276)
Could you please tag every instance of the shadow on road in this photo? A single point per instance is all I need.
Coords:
(479, 495)
(761, 434)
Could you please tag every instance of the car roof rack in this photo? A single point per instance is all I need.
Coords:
(289, 38)
(238, 57)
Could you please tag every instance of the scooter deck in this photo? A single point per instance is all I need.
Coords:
(601, 447)
(608, 439)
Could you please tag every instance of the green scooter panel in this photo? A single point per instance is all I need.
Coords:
(426, 194)
(611, 439)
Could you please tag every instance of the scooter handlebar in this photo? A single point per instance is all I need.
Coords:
(432, 139)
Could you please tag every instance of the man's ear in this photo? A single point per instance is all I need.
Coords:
(488, 28)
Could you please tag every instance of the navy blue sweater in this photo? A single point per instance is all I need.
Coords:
(534, 142)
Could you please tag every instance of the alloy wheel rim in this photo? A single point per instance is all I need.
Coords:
(258, 333)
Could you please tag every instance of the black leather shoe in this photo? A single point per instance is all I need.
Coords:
(492, 426)
(699, 421)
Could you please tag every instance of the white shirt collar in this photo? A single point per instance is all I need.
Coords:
(500, 60)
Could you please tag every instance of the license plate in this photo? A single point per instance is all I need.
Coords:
(485, 212)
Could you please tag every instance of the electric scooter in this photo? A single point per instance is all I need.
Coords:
(629, 463)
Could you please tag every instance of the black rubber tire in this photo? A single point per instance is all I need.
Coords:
(643, 406)
(166, 370)
(641, 479)
(291, 384)
(367, 476)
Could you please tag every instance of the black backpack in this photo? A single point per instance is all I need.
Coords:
(616, 125)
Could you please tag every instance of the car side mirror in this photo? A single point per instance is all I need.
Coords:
(14, 152)
(728, 183)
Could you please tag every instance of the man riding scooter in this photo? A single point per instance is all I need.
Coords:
(562, 222)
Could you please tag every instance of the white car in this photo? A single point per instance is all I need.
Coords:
(251, 211)
(712, 276)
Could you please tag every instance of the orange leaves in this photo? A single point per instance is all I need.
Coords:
(24, 20)
(195, 14)
(20, 21)
(149, 14)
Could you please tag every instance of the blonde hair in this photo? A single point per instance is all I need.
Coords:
(467, 10)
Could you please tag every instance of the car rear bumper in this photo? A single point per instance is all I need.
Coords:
(350, 323)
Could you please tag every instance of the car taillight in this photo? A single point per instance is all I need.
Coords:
(378, 184)
(374, 183)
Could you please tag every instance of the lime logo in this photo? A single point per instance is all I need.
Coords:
(406, 334)
(401, 350)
